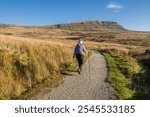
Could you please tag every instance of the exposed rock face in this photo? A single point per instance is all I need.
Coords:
(88, 25)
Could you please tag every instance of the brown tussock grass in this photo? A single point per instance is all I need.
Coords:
(25, 62)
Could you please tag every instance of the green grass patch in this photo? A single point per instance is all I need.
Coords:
(121, 70)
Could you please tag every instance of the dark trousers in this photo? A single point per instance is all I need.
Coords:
(80, 58)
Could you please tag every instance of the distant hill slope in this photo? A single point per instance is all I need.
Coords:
(88, 25)
(84, 25)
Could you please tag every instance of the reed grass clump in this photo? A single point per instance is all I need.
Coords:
(26, 62)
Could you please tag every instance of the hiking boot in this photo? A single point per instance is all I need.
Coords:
(79, 71)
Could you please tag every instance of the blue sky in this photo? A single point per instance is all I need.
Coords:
(132, 14)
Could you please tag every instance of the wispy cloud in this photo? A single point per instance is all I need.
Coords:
(114, 6)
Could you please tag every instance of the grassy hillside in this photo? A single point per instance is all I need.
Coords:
(31, 54)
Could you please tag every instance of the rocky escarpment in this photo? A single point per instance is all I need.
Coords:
(88, 25)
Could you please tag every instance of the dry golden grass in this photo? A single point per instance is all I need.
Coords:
(25, 62)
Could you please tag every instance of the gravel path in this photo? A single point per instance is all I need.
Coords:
(90, 85)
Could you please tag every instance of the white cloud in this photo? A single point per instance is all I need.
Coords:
(115, 6)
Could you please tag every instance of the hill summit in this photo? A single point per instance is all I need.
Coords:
(88, 25)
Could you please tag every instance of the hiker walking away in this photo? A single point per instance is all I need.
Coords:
(79, 54)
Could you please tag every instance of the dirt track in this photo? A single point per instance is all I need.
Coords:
(90, 85)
